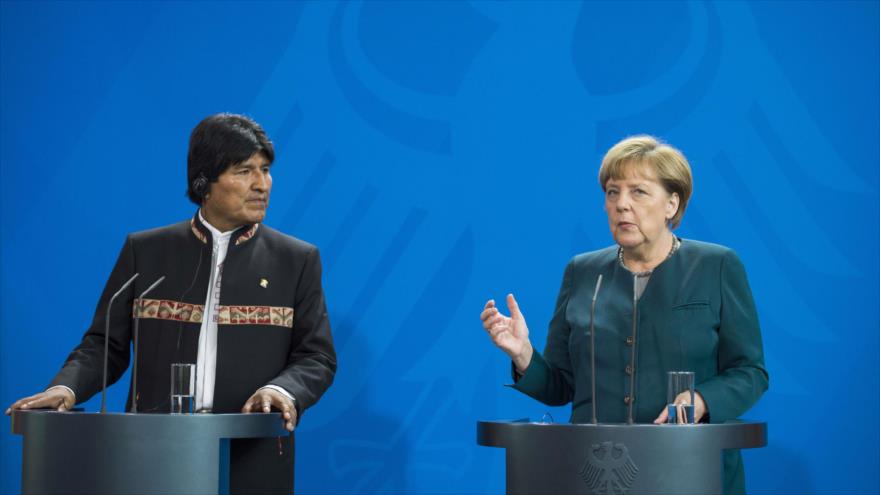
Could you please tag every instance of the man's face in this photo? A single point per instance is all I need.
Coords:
(240, 195)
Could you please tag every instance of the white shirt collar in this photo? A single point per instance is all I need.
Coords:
(215, 233)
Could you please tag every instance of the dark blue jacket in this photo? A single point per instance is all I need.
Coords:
(696, 314)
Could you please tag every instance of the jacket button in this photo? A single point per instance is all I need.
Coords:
(627, 399)
(629, 340)
(628, 369)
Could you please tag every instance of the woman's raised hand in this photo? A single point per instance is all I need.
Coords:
(510, 334)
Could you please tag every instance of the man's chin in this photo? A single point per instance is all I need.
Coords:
(257, 217)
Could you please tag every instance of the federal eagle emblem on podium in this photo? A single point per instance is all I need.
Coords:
(608, 469)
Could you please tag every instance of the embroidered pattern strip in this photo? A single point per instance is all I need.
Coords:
(163, 309)
(246, 235)
(198, 233)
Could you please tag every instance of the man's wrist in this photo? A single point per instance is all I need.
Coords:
(280, 390)
(65, 387)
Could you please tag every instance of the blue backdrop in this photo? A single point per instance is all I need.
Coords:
(444, 153)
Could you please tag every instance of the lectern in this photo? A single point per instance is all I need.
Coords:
(617, 458)
(75, 452)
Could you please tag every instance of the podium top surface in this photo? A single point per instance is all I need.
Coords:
(192, 425)
(739, 434)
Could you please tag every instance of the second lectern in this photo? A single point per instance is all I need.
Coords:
(617, 458)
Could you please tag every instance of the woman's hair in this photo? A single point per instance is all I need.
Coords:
(647, 152)
(217, 143)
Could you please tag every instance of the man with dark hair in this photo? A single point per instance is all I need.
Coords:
(241, 300)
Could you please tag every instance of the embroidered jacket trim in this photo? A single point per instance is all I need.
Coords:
(164, 309)
(245, 236)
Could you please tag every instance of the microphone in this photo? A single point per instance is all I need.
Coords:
(632, 354)
(107, 340)
(134, 367)
(593, 346)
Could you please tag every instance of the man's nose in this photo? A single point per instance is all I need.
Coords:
(262, 182)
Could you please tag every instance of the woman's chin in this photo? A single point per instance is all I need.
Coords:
(629, 240)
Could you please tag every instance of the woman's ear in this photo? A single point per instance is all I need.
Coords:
(672, 206)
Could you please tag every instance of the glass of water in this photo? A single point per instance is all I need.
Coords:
(183, 388)
(680, 397)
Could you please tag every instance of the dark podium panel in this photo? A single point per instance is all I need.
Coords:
(617, 458)
(74, 452)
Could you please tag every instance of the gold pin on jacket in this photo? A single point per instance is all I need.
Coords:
(264, 283)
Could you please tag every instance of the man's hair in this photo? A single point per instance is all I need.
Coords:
(217, 143)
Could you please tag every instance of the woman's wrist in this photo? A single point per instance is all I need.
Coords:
(521, 361)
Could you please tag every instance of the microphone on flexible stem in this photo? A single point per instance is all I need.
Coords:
(632, 354)
(134, 367)
(107, 340)
(593, 346)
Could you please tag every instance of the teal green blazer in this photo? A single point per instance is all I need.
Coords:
(696, 314)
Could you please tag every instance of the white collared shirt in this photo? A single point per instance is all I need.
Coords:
(206, 360)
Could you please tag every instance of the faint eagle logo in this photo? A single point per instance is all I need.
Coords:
(609, 470)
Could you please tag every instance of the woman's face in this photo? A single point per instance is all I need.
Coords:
(638, 207)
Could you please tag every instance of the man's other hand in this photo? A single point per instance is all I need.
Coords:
(58, 398)
(265, 399)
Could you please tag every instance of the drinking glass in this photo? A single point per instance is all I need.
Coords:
(680, 397)
(183, 388)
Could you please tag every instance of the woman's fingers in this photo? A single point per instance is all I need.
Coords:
(681, 414)
(496, 320)
(498, 327)
(488, 313)
(513, 307)
(683, 398)
(664, 415)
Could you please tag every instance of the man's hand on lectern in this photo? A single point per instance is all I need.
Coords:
(265, 399)
(510, 334)
(58, 398)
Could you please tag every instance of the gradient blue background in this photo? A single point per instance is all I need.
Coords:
(444, 153)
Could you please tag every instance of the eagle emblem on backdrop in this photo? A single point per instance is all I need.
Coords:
(608, 469)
